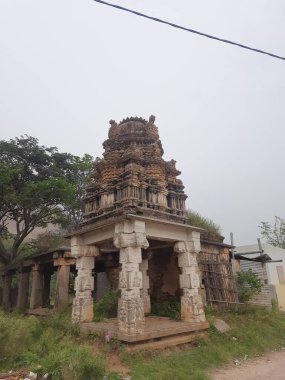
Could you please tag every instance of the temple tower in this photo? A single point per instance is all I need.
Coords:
(133, 177)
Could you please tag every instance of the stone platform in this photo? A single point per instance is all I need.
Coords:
(159, 332)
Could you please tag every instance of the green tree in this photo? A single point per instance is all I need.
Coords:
(274, 233)
(38, 186)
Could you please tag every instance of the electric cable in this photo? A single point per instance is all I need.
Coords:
(190, 30)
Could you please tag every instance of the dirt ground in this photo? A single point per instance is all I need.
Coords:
(270, 366)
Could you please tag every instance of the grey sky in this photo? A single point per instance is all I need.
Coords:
(68, 67)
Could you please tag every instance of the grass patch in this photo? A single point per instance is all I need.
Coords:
(254, 331)
(197, 220)
(48, 345)
(52, 344)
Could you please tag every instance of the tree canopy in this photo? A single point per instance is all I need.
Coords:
(38, 186)
(274, 233)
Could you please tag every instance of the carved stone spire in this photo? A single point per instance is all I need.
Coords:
(133, 177)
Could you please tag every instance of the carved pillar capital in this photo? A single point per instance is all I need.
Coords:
(78, 249)
(133, 239)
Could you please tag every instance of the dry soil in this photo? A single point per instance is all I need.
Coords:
(270, 366)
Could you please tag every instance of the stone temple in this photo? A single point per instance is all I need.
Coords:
(135, 233)
(134, 239)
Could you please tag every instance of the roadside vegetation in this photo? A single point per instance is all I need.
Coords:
(253, 332)
(50, 345)
(53, 345)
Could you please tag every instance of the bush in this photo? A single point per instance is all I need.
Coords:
(106, 306)
(248, 285)
(16, 334)
(167, 308)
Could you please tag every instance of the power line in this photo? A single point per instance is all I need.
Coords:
(189, 30)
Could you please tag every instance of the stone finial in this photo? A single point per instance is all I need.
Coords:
(113, 128)
(151, 119)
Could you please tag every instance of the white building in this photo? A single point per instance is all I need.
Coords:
(272, 274)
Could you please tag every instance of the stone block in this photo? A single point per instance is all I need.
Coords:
(130, 277)
(135, 239)
(131, 311)
(130, 255)
(192, 306)
(85, 262)
(187, 259)
(184, 280)
(123, 280)
(180, 247)
(79, 250)
(194, 280)
(90, 251)
(221, 325)
(82, 310)
(83, 283)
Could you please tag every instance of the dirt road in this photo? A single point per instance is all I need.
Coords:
(270, 366)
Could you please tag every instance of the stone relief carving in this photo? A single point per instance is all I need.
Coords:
(122, 280)
(137, 281)
(131, 311)
(135, 239)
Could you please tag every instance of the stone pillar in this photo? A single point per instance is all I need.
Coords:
(6, 297)
(36, 299)
(62, 284)
(82, 310)
(46, 289)
(130, 238)
(145, 284)
(190, 284)
(23, 291)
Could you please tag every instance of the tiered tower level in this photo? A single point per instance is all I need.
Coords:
(133, 177)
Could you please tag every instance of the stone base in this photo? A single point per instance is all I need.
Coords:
(164, 342)
(40, 311)
(156, 329)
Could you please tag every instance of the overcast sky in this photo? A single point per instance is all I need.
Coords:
(68, 67)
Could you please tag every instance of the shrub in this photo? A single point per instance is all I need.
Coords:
(248, 285)
(106, 306)
(166, 308)
(16, 334)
